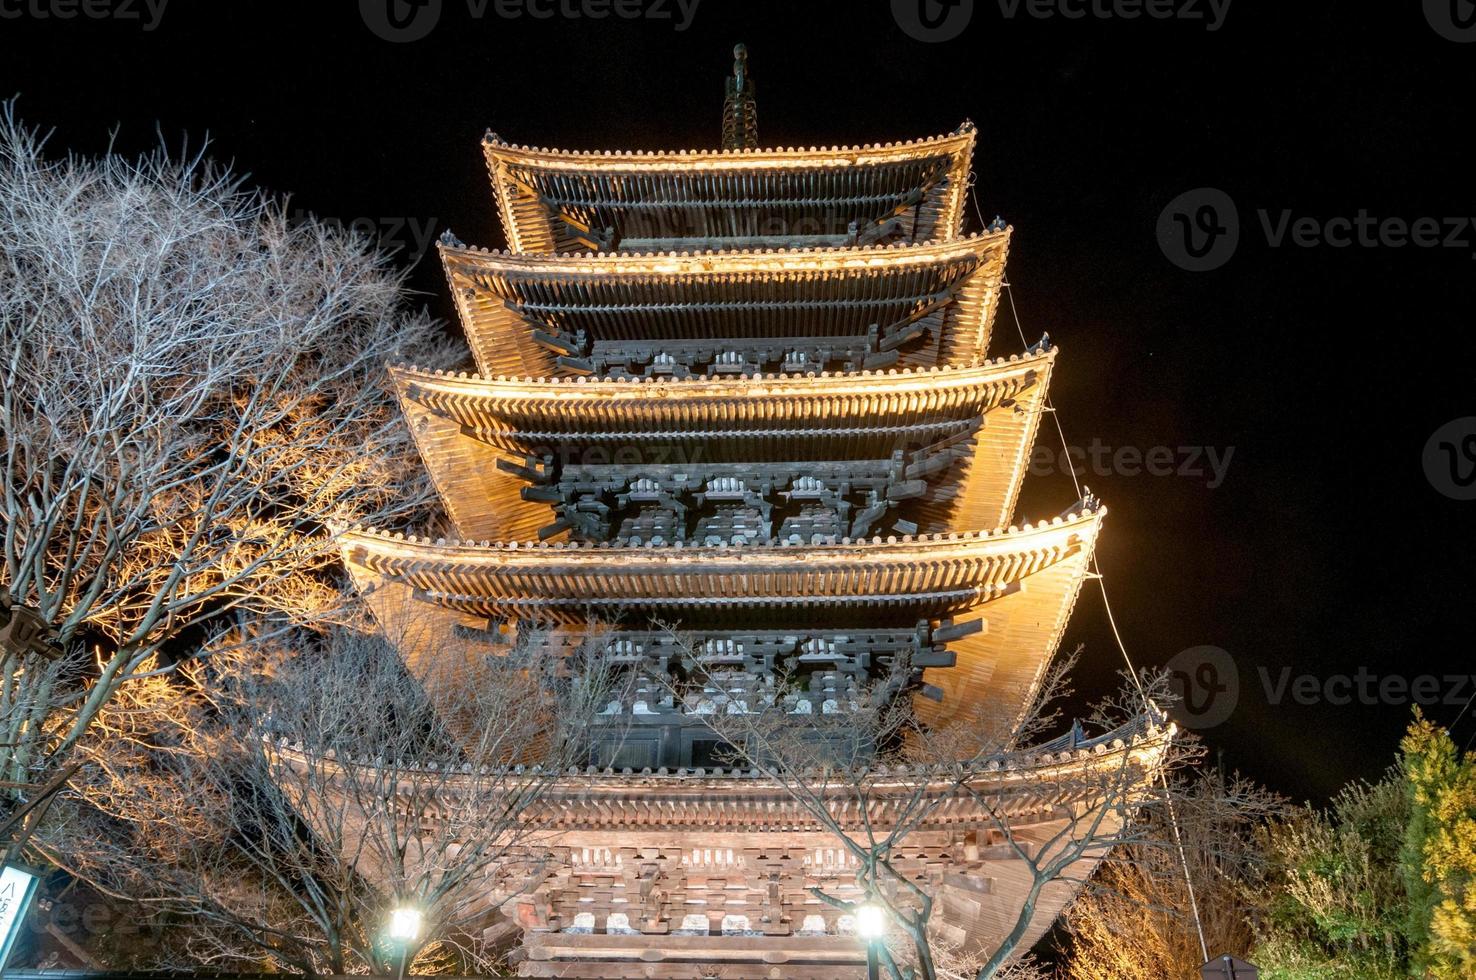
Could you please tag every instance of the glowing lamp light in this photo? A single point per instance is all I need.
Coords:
(404, 925)
(871, 921)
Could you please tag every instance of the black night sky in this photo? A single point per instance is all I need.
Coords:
(1322, 371)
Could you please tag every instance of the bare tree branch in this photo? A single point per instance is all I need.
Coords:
(325, 790)
(190, 395)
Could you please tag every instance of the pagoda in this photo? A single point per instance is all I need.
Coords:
(740, 401)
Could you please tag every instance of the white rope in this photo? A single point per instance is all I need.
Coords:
(1111, 619)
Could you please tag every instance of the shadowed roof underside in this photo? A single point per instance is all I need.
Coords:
(465, 426)
(1022, 582)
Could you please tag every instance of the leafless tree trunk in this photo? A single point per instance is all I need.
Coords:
(1134, 919)
(189, 397)
(847, 754)
(1122, 793)
(317, 792)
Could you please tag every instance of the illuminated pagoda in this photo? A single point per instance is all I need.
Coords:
(745, 392)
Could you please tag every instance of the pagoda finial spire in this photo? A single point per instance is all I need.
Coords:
(740, 109)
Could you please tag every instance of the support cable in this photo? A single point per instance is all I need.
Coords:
(1111, 619)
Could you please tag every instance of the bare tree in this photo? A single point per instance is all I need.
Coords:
(954, 962)
(841, 764)
(189, 396)
(314, 793)
(1135, 920)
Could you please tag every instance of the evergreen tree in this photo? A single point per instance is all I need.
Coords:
(1439, 854)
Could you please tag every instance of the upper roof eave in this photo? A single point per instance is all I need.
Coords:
(938, 378)
(1146, 740)
(844, 257)
(960, 142)
(1085, 520)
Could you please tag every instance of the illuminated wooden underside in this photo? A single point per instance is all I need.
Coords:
(570, 201)
(912, 305)
(695, 429)
(1022, 582)
(652, 849)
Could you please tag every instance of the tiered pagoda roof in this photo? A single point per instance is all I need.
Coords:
(706, 313)
(569, 200)
(1015, 588)
(929, 574)
(1037, 782)
(501, 450)
(611, 833)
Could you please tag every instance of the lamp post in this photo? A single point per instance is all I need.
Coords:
(404, 928)
(871, 925)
